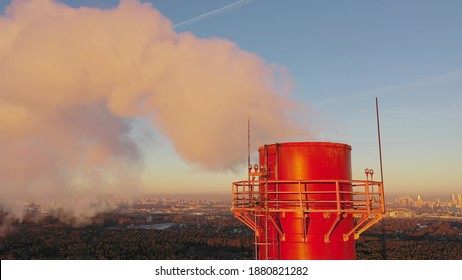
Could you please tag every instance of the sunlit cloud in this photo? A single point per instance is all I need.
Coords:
(73, 81)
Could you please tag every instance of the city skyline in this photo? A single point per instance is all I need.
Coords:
(326, 61)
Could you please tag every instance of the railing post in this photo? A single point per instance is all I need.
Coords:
(251, 192)
(368, 199)
(300, 196)
(337, 193)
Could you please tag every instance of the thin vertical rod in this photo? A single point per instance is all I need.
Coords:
(255, 240)
(248, 141)
(248, 149)
(378, 134)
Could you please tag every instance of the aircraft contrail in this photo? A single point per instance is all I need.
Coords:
(215, 12)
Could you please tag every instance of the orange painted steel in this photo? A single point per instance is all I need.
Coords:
(302, 203)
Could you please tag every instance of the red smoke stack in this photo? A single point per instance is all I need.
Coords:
(302, 203)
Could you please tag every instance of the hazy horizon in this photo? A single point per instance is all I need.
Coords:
(130, 97)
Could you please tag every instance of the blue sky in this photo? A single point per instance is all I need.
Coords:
(341, 55)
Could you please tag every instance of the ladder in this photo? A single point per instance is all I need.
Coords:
(271, 159)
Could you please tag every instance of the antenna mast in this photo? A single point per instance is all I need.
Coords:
(378, 133)
(248, 141)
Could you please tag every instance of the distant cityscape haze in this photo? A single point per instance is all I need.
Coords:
(332, 58)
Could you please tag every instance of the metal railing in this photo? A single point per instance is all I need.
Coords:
(362, 199)
(344, 196)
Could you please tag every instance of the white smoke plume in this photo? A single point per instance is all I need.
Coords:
(73, 79)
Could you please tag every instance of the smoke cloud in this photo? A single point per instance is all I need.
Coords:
(73, 81)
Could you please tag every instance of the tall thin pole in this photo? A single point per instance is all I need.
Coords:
(248, 158)
(378, 133)
(248, 140)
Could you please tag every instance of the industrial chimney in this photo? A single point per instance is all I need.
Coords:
(302, 203)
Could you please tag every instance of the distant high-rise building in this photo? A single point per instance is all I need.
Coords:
(419, 198)
(459, 199)
(453, 198)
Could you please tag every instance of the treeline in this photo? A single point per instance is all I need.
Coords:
(65, 242)
(383, 248)
(411, 239)
(391, 239)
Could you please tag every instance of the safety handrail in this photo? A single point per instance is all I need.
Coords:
(253, 195)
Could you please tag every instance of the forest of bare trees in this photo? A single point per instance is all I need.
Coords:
(216, 239)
